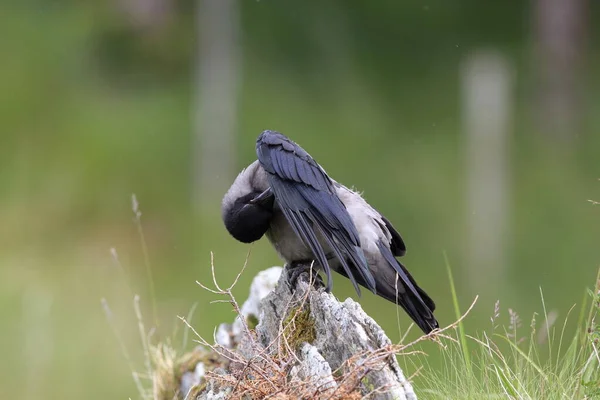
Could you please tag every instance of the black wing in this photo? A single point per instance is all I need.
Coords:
(397, 245)
(310, 204)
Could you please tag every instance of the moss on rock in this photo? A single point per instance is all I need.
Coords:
(300, 327)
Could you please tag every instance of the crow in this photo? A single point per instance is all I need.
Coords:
(309, 217)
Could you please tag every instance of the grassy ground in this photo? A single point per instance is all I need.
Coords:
(545, 357)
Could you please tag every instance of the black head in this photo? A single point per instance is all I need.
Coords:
(246, 221)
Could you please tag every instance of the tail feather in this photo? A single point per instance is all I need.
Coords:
(424, 296)
(406, 293)
(412, 303)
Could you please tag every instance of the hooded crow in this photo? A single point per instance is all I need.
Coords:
(308, 217)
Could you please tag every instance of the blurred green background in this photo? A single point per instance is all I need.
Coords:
(100, 100)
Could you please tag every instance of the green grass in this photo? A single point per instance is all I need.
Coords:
(510, 361)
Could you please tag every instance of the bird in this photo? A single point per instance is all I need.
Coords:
(310, 218)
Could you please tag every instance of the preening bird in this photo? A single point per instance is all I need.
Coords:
(307, 216)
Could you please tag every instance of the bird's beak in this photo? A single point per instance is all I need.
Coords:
(266, 198)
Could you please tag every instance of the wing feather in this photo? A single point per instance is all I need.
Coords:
(397, 245)
(308, 200)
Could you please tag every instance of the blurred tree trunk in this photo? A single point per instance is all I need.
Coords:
(487, 81)
(216, 97)
(559, 45)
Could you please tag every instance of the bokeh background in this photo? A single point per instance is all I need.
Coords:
(473, 126)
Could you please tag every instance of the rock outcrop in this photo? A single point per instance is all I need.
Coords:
(300, 343)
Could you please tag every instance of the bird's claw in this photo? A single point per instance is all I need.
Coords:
(295, 270)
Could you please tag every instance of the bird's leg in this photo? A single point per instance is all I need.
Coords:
(298, 268)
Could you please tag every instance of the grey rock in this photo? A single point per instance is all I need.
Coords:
(338, 331)
(229, 335)
(191, 379)
(213, 390)
(313, 366)
(343, 330)
(224, 336)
